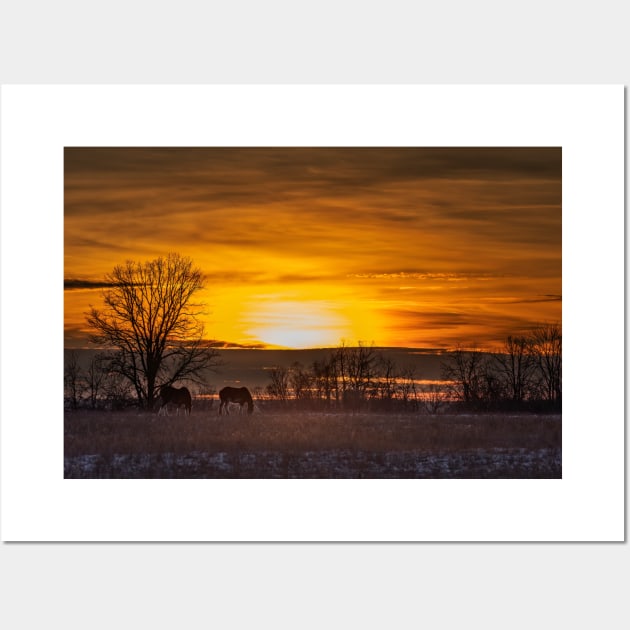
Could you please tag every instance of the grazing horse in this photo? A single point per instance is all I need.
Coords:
(177, 396)
(238, 395)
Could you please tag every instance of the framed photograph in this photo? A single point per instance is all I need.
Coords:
(312, 313)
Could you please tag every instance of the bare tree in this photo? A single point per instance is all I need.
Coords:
(301, 382)
(117, 389)
(73, 380)
(546, 343)
(279, 386)
(150, 320)
(464, 371)
(516, 367)
(407, 389)
(357, 368)
(388, 379)
(433, 398)
(325, 380)
(95, 378)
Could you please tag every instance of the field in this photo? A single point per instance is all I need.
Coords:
(273, 445)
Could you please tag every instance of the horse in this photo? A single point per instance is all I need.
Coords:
(177, 396)
(239, 395)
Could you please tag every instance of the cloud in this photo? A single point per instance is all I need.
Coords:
(75, 283)
(422, 275)
(302, 278)
(532, 300)
(231, 345)
(228, 177)
(311, 202)
(411, 319)
(89, 241)
(459, 228)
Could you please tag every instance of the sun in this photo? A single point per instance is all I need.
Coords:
(297, 324)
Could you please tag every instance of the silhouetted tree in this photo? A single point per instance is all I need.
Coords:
(95, 377)
(356, 371)
(325, 380)
(546, 341)
(407, 389)
(279, 386)
(527, 368)
(388, 378)
(516, 367)
(73, 380)
(300, 381)
(433, 398)
(117, 390)
(151, 321)
(464, 370)
(348, 376)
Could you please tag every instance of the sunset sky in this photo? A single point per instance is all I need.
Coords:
(306, 247)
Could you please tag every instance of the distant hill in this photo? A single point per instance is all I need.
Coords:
(250, 367)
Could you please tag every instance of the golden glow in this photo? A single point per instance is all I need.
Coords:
(308, 247)
(295, 324)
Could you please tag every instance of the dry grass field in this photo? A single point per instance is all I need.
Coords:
(133, 444)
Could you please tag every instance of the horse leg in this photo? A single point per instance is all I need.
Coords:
(160, 404)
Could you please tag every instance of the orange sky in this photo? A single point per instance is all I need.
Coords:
(305, 247)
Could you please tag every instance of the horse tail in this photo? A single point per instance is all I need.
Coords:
(188, 400)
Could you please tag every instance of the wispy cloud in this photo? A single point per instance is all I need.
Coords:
(75, 283)
(231, 345)
(422, 275)
(531, 300)
(452, 226)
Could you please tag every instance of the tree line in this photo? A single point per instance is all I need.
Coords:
(348, 378)
(96, 385)
(525, 373)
